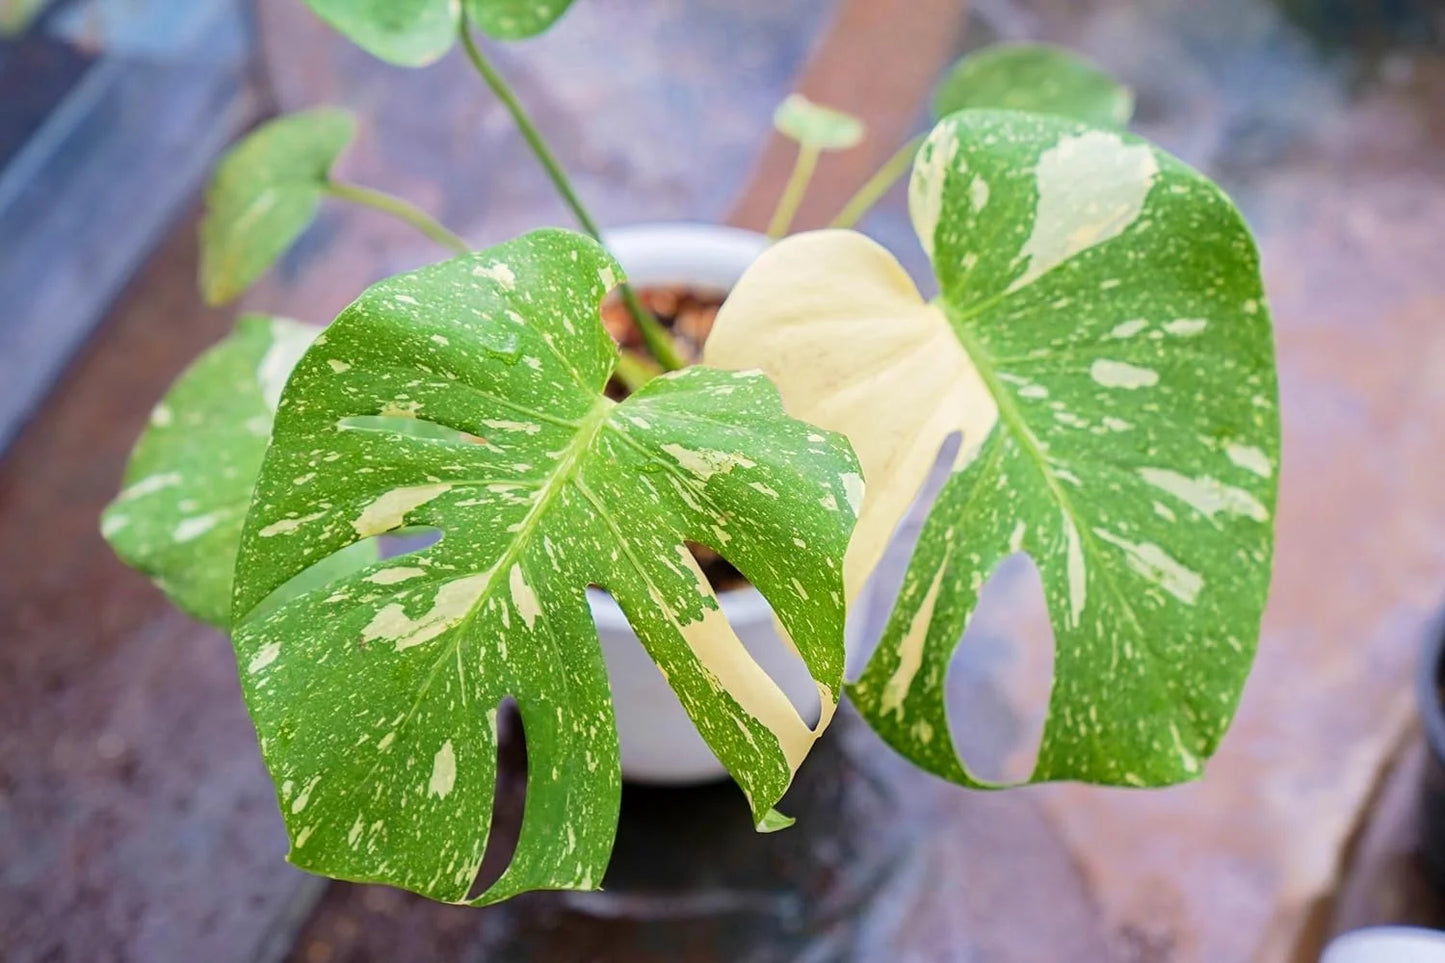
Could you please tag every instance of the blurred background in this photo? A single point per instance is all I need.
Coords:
(136, 820)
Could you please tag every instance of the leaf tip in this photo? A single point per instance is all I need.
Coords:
(773, 821)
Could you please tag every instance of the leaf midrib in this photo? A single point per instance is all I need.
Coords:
(587, 431)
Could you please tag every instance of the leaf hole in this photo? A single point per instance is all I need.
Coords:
(407, 541)
(508, 800)
(345, 561)
(869, 614)
(321, 573)
(998, 682)
(757, 625)
(720, 573)
(658, 741)
(411, 427)
(776, 654)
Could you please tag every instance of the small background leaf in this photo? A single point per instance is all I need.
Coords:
(408, 33)
(1039, 78)
(415, 33)
(264, 194)
(515, 19)
(188, 484)
(814, 125)
(375, 698)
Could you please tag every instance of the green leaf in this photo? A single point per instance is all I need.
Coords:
(189, 481)
(265, 193)
(408, 33)
(814, 125)
(375, 699)
(773, 821)
(515, 19)
(1102, 344)
(415, 33)
(1039, 78)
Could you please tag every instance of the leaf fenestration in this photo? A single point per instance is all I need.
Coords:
(264, 195)
(375, 698)
(1035, 77)
(1103, 345)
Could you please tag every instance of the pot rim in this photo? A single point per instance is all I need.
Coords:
(684, 252)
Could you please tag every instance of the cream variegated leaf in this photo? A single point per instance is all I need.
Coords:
(1101, 343)
(375, 699)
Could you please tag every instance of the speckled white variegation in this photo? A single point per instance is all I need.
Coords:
(375, 698)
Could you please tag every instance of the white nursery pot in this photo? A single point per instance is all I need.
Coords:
(1387, 944)
(658, 741)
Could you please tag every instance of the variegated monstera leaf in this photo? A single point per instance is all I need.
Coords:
(376, 698)
(188, 484)
(414, 33)
(1101, 342)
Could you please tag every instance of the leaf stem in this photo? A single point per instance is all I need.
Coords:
(876, 186)
(399, 208)
(793, 191)
(659, 343)
(634, 371)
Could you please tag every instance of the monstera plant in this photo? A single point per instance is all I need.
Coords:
(1099, 340)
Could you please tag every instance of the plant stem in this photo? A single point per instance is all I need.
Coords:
(876, 186)
(659, 343)
(793, 191)
(634, 371)
(529, 130)
(397, 207)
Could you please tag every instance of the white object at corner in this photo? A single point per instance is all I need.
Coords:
(1387, 944)
(658, 741)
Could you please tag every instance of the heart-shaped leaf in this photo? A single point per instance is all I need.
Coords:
(1102, 344)
(264, 194)
(408, 33)
(814, 125)
(1039, 78)
(414, 33)
(375, 699)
